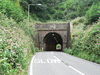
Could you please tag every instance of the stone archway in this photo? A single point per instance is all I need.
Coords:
(51, 40)
(45, 39)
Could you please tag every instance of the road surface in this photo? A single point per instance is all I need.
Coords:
(59, 63)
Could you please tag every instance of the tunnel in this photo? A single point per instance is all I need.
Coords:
(53, 42)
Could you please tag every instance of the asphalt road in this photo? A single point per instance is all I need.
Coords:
(59, 63)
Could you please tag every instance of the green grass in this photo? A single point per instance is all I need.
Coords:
(85, 43)
(12, 10)
(16, 44)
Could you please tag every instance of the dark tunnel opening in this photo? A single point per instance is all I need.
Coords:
(53, 42)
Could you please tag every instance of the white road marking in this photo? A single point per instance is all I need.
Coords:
(52, 53)
(57, 59)
(53, 61)
(71, 67)
(41, 61)
(76, 70)
(31, 66)
(49, 60)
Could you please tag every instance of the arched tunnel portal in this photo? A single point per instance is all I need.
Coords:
(53, 42)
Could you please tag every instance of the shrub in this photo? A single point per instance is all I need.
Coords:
(10, 9)
(93, 14)
(14, 46)
(87, 44)
(78, 20)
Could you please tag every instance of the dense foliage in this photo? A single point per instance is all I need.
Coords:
(59, 9)
(93, 14)
(12, 10)
(16, 39)
(15, 45)
(86, 43)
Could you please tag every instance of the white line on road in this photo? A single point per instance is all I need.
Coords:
(57, 58)
(52, 53)
(31, 66)
(71, 67)
(76, 70)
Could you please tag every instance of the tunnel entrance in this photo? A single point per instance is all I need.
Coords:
(53, 42)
